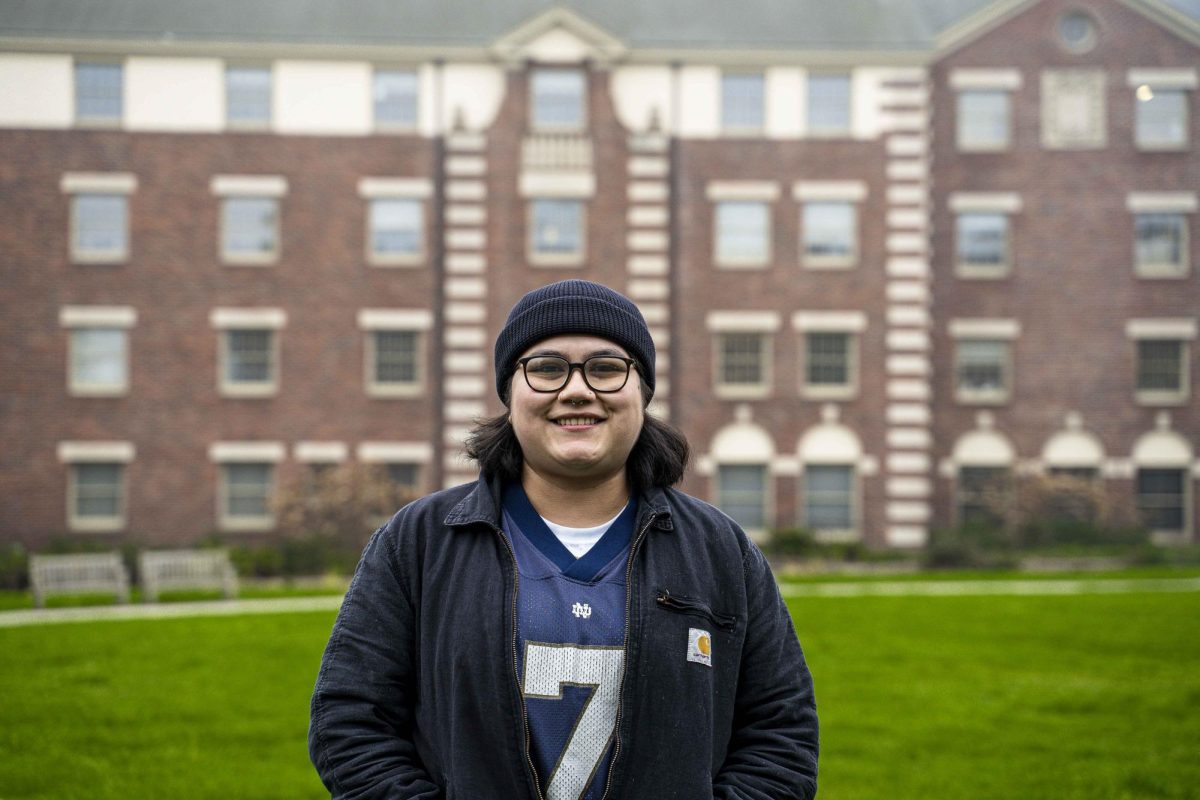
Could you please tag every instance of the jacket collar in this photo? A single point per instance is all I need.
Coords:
(482, 505)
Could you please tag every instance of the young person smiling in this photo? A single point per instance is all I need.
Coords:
(569, 626)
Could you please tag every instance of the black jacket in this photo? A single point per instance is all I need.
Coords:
(417, 696)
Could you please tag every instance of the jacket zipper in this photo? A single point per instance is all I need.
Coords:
(537, 788)
(686, 605)
(625, 674)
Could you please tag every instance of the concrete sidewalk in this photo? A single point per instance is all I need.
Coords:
(210, 608)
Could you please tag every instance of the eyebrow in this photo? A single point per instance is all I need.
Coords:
(603, 351)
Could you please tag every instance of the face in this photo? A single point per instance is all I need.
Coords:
(576, 433)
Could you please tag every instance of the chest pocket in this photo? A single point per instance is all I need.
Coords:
(681, 604)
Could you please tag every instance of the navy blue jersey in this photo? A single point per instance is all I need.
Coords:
(570, 646)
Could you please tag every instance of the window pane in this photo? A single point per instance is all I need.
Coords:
(396, 227)
(981, 494)
(982, 239)
(404, 476)
(742, 232)
(982, 365)
(558, 98)
(829, 230)
(1162, 118)
(741, 493)
(395, 357)
(98, 91)
(1161, 240)
(250, 225)
(828, 497)
(98, 490)
(101, 222)
(742, 359)
(1160, 498)
(247, 490)
(828, 361)
(557, 226)
(1160, 363)
(983, 118)
(248, 94)
(742, 101)
(99, 357)
(249, 357)
(396, 97)
(829, 103)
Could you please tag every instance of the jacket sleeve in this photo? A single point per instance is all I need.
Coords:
(360, 734)
(772, 753)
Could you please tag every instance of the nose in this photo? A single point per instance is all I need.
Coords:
(576, 386)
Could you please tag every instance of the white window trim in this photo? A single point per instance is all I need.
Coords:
(991, 146)
(79, 119)
(1180, 397)
(748, 131)
(249, 185)
(766, 191)
(847, 391)
(96, 452)
(985, 397)
(831, 262)
(1165, 271)
(1159, 536)
(984, 328)
(242, 124)
(320, 452)
(1182, 78)
(985, 202)
(395, 319)
(743, 391)
(395, 452)
(373, 187)
(1162, 202)
(556, 184)
(1183, 330)
(247, 390)
(243, 524)
(1162, 328)
(835, 536)
(370, 189)
(984, 205)
(97, 316)
(755, 534)
(224, 318)
(247, 452)
(414, 388)
(389, 126)
(847, 191)
(852, 117)
(964, 78)
(574, 127)
(575, 259)
(1052, 81)
(738, 263)
(742, 321)
(97, 524)
(97, 183)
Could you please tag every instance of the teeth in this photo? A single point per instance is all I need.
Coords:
(577, 421)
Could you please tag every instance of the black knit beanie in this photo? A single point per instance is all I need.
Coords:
(573, 306)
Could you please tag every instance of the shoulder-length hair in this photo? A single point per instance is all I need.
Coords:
(658, 458)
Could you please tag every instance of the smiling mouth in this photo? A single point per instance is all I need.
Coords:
(575, 422)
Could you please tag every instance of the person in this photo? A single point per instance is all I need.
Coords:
(567, 627)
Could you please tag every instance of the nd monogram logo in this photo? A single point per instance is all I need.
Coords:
(582, 610)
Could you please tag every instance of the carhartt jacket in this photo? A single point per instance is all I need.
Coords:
(417, 695)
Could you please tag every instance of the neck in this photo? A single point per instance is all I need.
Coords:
(575, 503)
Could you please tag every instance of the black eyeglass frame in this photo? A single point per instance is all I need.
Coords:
(630, 364)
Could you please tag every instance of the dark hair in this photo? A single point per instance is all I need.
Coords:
(658, 458)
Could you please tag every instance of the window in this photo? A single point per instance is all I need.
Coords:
(395, 93)
(98, 92)
(557, 102)
(556, 234)
(983, 494)
(829, 364)
(248, 96)
(99, 228)
(982, 245)
(828, 104)
(97, 500)
(1073, 109)
(249, 230)
(1160, 246)
(396, 230)
(829, 499)
(1162, 118)
(983, 370)
(1077, 31)
(249, 362)
(1161, 371)
(395, 362)
(743, 232)
(830, 234)
(742, 494)
(1161, 500)
(742, 103)
(99, 359)
(246, 495)
(742, 368)
(405, 476)
(984, 119)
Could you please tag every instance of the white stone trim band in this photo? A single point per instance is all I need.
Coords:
(97, 316)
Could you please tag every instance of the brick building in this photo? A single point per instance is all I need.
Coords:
(890, 255)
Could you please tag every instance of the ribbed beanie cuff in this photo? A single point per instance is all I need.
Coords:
(573, 306)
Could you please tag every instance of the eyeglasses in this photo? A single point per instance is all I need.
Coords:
(602, 374)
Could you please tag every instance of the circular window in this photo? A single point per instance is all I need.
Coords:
(1077, 31)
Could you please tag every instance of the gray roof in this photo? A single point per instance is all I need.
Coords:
(669, 24)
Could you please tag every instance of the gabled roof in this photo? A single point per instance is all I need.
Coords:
(658, 25)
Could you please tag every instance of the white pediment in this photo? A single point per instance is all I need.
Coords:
(559, 36)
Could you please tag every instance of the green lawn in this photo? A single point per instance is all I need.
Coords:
(1090, 697)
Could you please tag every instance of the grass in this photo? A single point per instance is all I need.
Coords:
(941, 697)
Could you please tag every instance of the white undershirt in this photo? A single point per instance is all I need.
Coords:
(579, 540)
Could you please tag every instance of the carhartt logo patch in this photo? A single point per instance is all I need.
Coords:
(699, 646)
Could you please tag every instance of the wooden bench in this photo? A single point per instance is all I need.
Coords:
(78, 574)
(186, 569)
